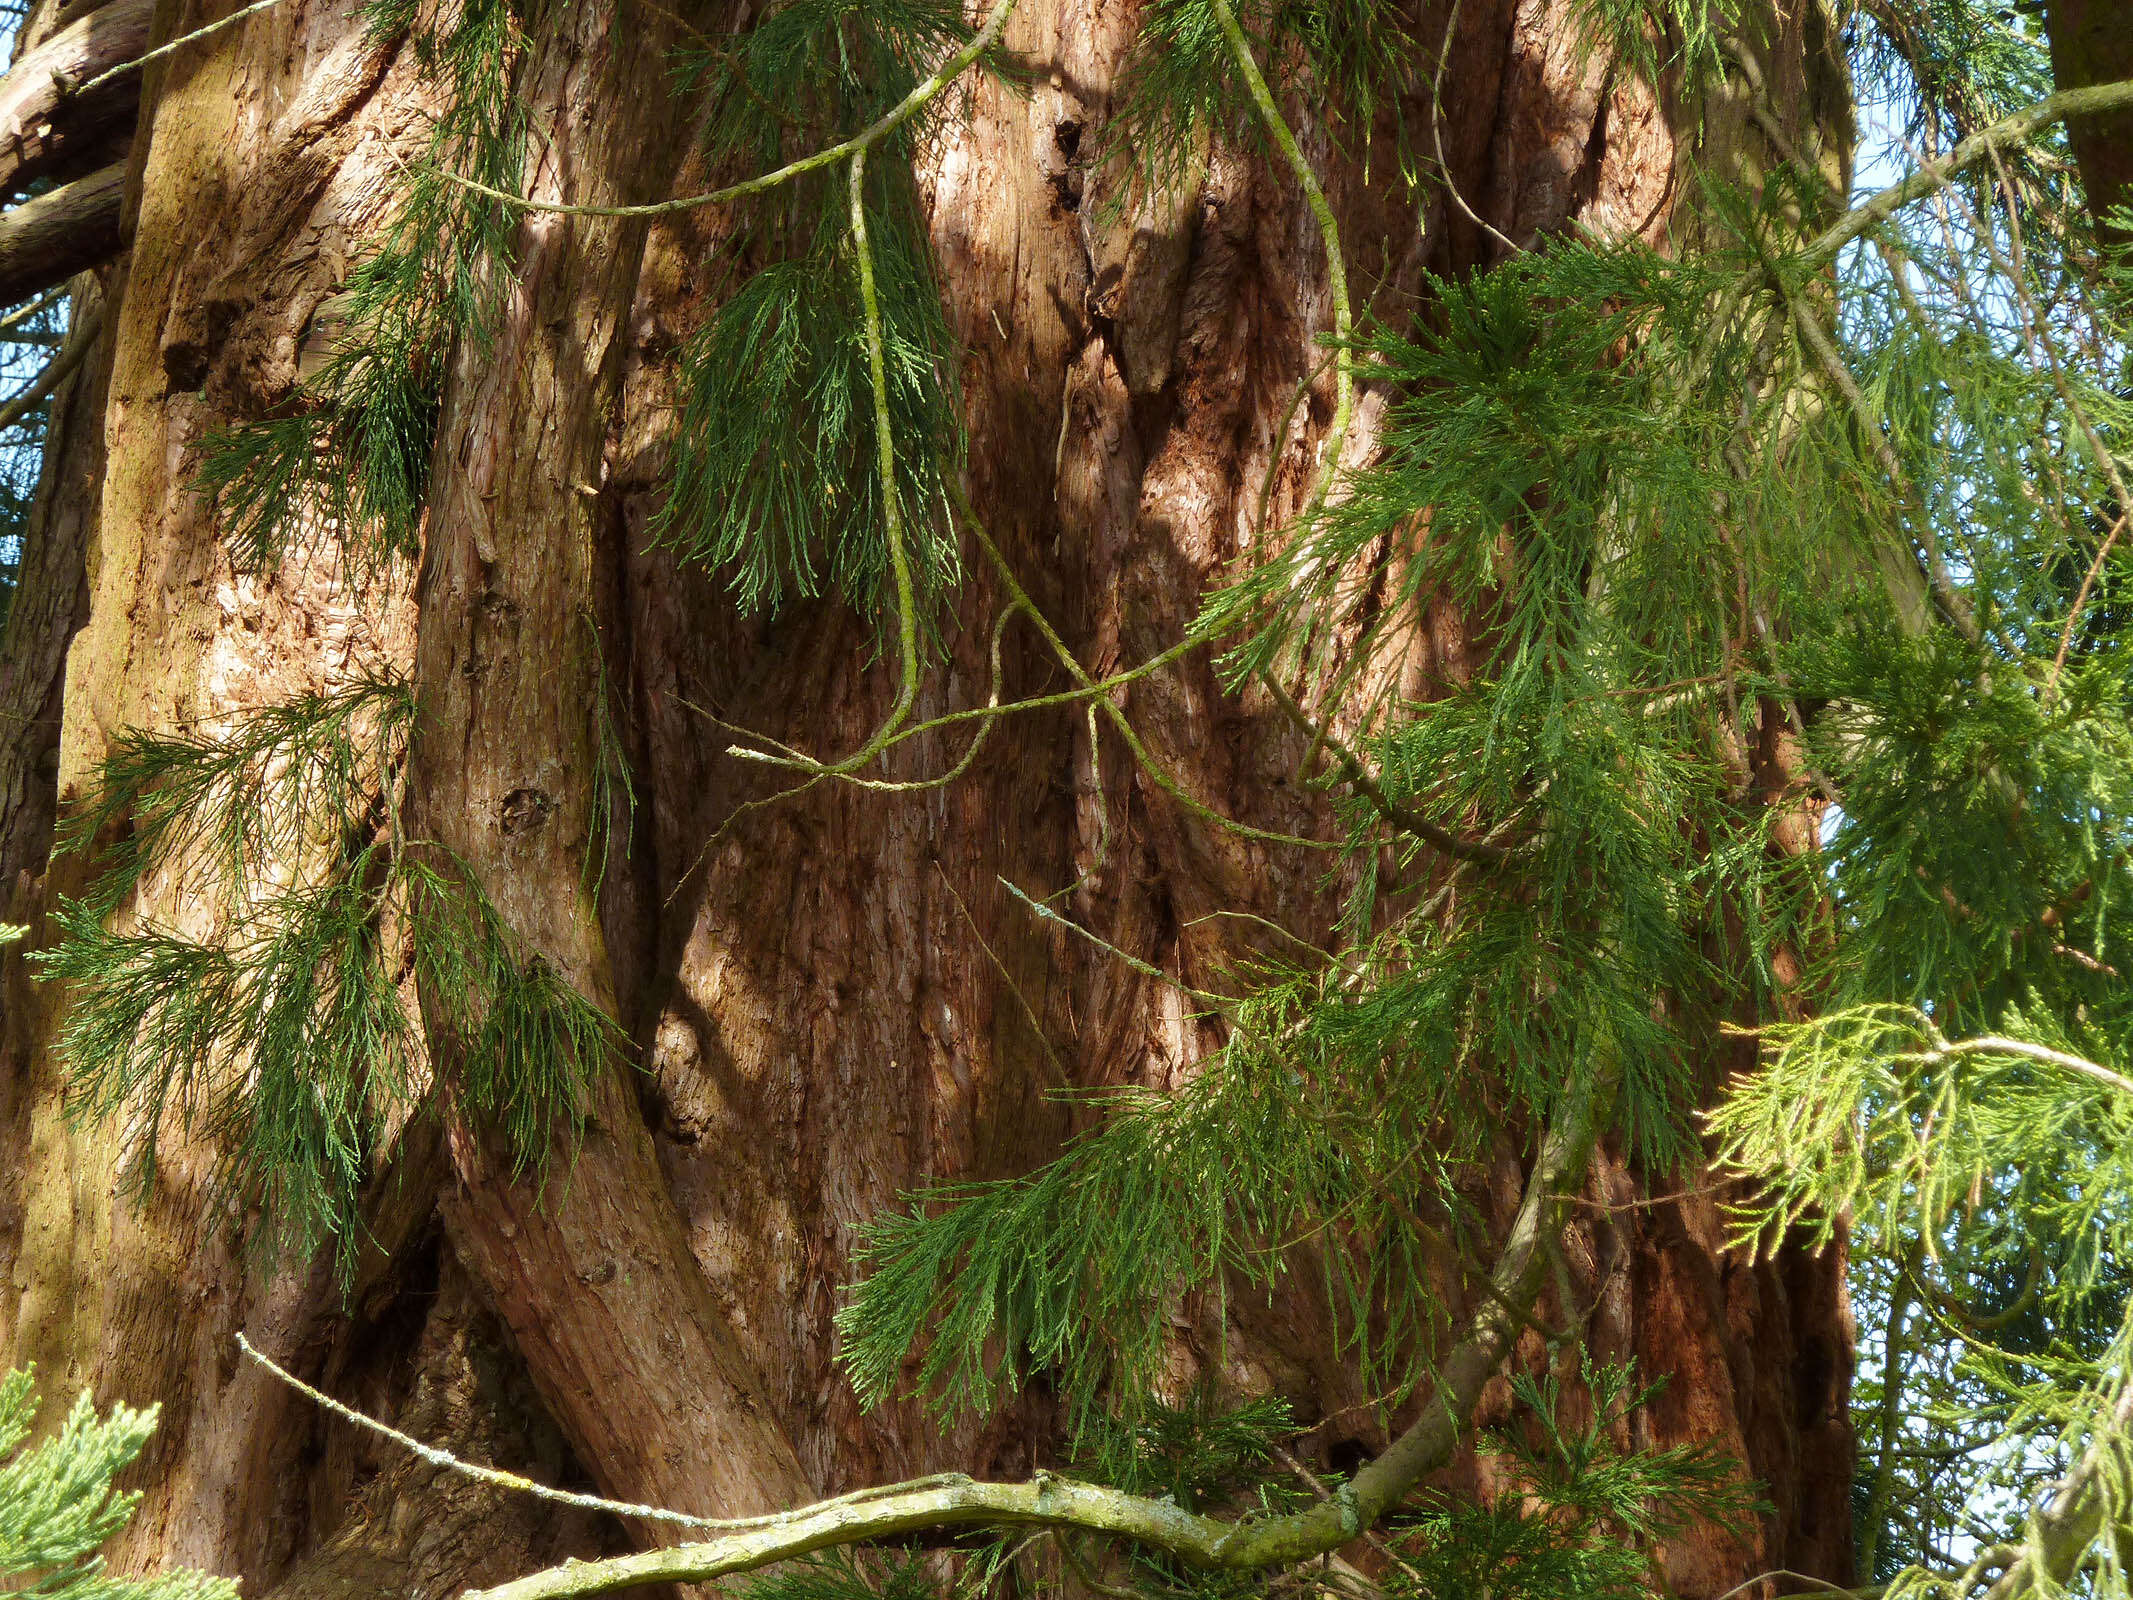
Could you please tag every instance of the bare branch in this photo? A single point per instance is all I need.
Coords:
(49, 239)
(2060, 1534)
(859, 143)
(55, 372)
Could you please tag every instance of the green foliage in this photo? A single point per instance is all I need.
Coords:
(774, 470)
(1563, 475)
(812, 72)
(1352, 61)
(350, 460)
(776, 477)
(1197, 1455)
(1213, 1189)
(281, 1029)
(1181, 83)
(1963, 1095)
(1578, 1515)
(1567, 425)
(57, 1506)
(1704, 557)
(237, 807)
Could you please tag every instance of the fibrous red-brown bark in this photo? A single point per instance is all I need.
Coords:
(834, 998)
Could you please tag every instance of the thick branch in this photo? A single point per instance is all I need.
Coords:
(47, 118)
(1993, 1044)
(1047, 1501)
(1869, 214)
(56, 235)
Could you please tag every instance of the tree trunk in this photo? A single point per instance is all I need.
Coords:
(833, 997)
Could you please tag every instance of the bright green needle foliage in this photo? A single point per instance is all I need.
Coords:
(1541, 421)
(1965, 1097)
(774, 471)
(238, 806)
(352, 461)
(1182, 83)
(58, 1509)
(282, 1031)
(812, 72)
(1054, 1275)
(775, 477)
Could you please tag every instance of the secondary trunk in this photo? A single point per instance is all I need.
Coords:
(834, 997)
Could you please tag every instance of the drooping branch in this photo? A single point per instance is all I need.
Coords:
(2062, 1530)
(49, 239)
(1047, 1501)
(2024, 124)
(922, 95)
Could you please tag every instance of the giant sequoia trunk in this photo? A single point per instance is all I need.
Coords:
(833, 998)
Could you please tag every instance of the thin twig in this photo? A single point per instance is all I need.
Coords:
(1402, 817)
(1436, 134)
(1288, 1458)
(493, 1476)
(1146, 761)
(1036, 1022)
(43, 302)
(1950, 599)
(903, 111)
(1146, 969)
(162, 50)
(1329, 234)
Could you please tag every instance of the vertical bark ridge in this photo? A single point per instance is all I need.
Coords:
(589, 1268)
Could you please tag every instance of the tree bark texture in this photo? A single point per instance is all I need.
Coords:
(833, 998)
(48, 119)
(2091, 43)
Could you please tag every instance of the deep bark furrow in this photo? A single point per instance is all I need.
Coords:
(590, 1268)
